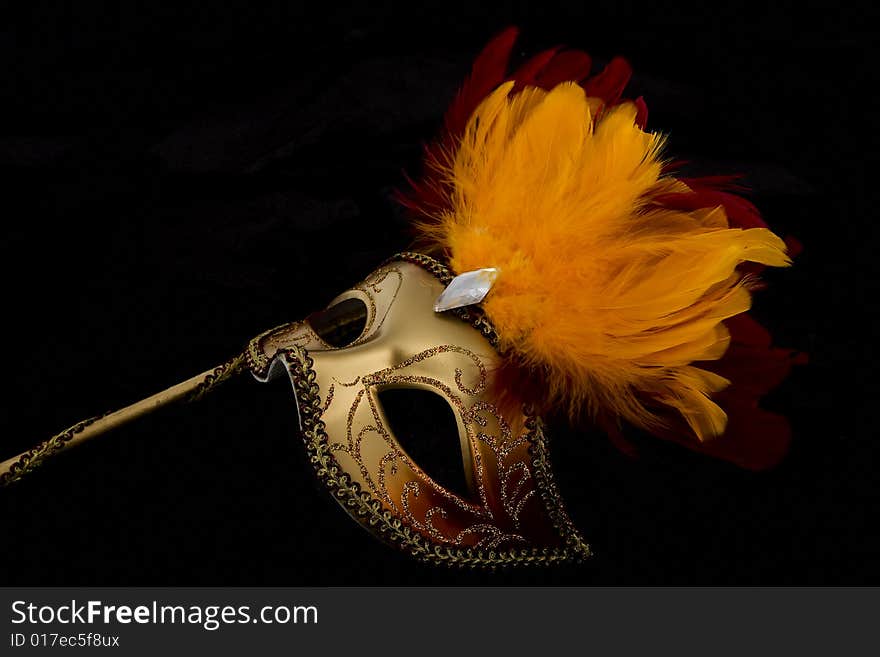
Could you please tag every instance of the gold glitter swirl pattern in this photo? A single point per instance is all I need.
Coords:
(382, 375)
(404, 457)
(411, 488)
(330, 392)
(513, 498)
(492, 537)
(347, 384)
(369, 510)
(502, 447)
(258, 362)
(370, 288)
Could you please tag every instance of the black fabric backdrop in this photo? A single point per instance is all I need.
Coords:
(175, 181)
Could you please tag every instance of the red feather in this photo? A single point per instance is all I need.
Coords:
(641, 112)
(610, 83)
(528, 72)
(426, 197)
(489, 70)
(567, 66)
(755, 439)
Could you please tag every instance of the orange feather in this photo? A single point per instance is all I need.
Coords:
(607, 291)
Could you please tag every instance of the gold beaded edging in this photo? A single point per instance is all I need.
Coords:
(369, 511)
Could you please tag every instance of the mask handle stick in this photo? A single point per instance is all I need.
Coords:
(192, 389)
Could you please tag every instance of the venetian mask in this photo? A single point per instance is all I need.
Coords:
(384, 334)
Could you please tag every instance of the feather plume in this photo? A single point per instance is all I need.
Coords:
(661, 391)
(544, 70)
(611, 283)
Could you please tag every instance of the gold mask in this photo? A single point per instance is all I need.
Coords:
(384, 334)
(513, 514)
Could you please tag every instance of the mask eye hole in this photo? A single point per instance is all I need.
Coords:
(340, 324)
(425, 428)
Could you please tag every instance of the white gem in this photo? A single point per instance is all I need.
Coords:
(466, 289)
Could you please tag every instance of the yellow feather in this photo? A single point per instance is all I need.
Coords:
(612, 296)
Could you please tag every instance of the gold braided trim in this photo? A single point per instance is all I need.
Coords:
(34, 457)
(221, 374)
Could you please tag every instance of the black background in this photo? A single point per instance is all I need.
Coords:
(175, 181)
